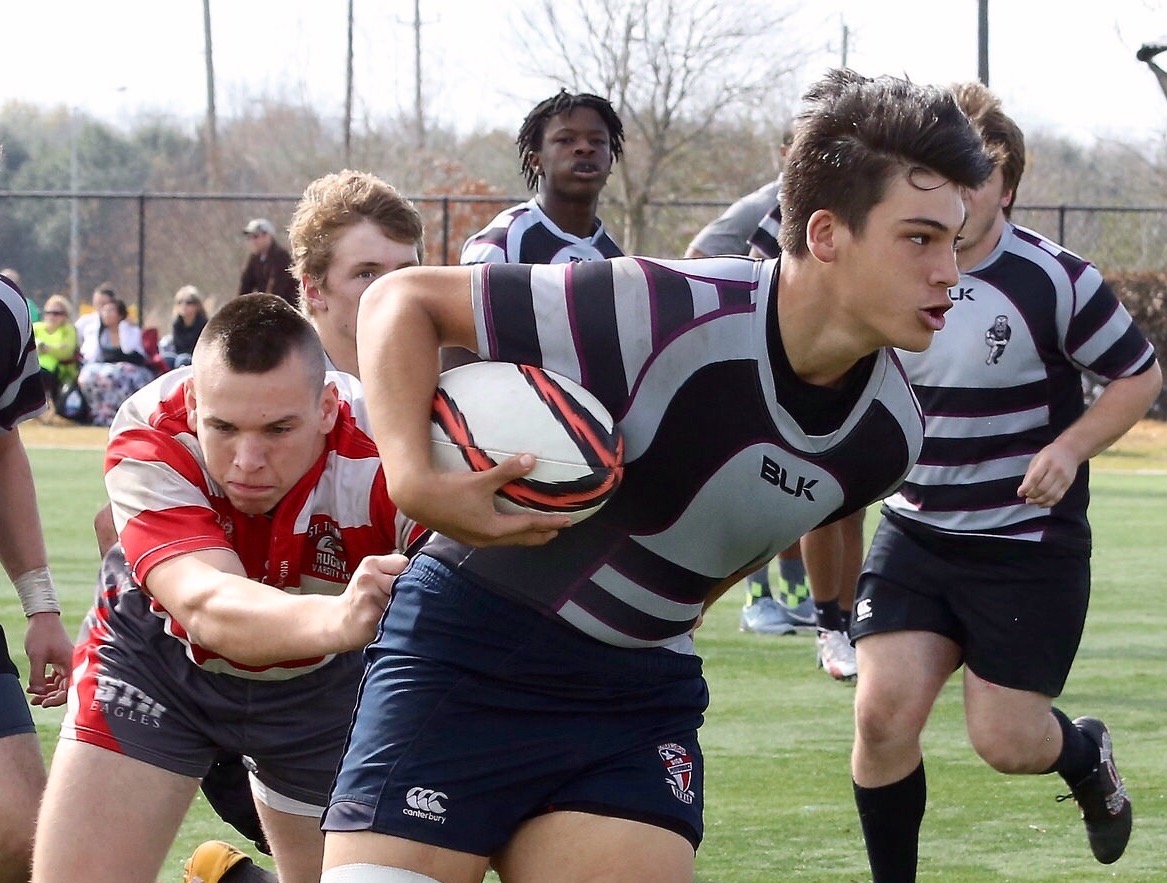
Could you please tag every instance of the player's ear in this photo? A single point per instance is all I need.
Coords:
(329, 407)
(822, 231)
(313, 296)
(188, 395)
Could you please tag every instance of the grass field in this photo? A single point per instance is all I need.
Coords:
(778, 733)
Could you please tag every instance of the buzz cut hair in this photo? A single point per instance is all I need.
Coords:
(255, 334)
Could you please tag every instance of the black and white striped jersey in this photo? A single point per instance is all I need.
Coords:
(22, 395)
(729, 456)
(523, 234)
(1003, 380)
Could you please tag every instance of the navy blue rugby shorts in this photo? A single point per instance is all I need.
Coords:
(1016, 608)
(15, 716)
(477, 713)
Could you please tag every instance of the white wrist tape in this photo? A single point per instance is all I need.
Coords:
(36, 592)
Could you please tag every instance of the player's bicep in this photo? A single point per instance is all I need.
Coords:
(418, 301)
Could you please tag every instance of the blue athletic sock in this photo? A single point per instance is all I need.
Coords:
(890, 817)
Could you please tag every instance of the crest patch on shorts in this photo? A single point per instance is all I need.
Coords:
(678, 770)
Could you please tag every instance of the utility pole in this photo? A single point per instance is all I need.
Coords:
(74, 215)
(983, 41)
(212, 135)
(846, 41)
(418, 109)
(348, 90)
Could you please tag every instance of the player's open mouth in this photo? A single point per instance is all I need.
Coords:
(585, 168)
(934, 316)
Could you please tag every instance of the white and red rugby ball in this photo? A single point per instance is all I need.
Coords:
(485, 412)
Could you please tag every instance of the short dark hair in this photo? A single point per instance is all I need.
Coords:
(852, 135)
(1003, 138)
(530, 138)
(255, 333)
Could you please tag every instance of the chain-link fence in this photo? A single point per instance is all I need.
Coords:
(148, 245)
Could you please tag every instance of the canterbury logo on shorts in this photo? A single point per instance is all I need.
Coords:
(426, 803)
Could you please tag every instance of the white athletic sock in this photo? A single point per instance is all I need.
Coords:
(363, 873)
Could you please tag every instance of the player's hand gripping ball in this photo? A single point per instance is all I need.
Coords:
(485, 412)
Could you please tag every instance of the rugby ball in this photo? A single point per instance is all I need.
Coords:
(485, 412)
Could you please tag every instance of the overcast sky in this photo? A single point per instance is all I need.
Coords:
(1068, 72)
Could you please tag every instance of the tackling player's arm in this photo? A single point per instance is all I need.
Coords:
(256, 624)
(403, 320)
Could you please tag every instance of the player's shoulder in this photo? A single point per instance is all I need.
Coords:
(1054, 258)
(159, 406)
(14, 315)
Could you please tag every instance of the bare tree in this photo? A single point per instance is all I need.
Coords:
(672, 68)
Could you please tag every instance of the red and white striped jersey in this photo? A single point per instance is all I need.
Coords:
(166, 504)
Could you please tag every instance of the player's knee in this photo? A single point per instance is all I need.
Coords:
(882, 726)
(1011, 753)
(362, 873)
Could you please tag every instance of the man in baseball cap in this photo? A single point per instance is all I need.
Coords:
(267, 267)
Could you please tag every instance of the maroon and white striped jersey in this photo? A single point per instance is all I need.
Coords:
(1003, 380)
(523, 234)
(729, 456)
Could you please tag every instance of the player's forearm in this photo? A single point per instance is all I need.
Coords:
(1119, 407)
(257, 624)
(22, 545)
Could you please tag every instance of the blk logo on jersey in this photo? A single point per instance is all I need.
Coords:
(426, 803)
(957, 293)
(678, 770)
(780, 477)
(116, 698)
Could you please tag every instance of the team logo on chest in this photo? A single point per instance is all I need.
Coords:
(329, 560)
(678, 770)
(794, 485)
(997, 338)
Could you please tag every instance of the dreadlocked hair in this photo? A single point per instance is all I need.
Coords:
(530, 138)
